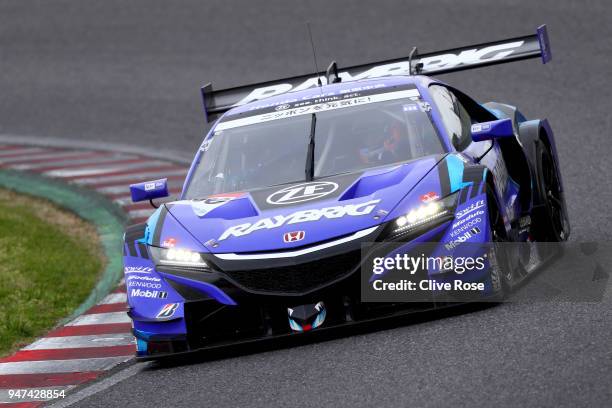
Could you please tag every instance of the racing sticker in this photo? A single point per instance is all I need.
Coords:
(475, 206)
(169, 242)
(410, 107)
(293, 236)
(148, 294)
(208, 141)
(203, 207)
(469, 217)
(167, 311)
(321, 103)
(299, 193)
(137, 269)
(429, 197)
(465, 226)
(295, 194)
(339, 211)
(147, 282)
(446, 60)
(462, 238)
(417, 106)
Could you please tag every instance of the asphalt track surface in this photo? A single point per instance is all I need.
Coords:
(129, 72)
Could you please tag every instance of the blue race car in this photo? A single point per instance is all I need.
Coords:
(296, 174)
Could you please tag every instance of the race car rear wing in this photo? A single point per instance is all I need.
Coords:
(433, 63)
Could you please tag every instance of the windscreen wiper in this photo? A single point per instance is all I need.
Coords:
(311, 150)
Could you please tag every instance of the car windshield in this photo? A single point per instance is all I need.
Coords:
(266, 150)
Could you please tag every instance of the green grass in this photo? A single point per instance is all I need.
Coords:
(49, 262)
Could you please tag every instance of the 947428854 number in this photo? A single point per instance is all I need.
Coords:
(36, 394)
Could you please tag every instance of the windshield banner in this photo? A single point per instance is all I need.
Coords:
(320, 104)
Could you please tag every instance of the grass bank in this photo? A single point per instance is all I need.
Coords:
(50, 260)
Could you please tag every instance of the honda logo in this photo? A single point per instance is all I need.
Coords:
(293, 236)
(302, 192)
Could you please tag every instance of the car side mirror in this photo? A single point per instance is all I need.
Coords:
(149, 190)
(494, 129)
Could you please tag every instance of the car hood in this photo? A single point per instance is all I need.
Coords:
(298, 214)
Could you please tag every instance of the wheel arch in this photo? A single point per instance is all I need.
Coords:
(519, 166)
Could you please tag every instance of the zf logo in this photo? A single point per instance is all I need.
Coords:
(302, 192)
(167, 311)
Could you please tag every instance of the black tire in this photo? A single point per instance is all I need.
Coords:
(502, 278)
(551, 223)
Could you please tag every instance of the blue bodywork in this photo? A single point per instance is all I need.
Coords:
(161, 299)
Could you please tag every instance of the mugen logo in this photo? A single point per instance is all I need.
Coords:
(432, 63)
(302, 192)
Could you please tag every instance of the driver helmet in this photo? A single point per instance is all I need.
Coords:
(379, 143)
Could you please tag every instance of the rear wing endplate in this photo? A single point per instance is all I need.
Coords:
(433, 63)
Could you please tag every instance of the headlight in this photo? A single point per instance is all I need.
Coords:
(429, 213)
(421, 215)
(177, 256)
